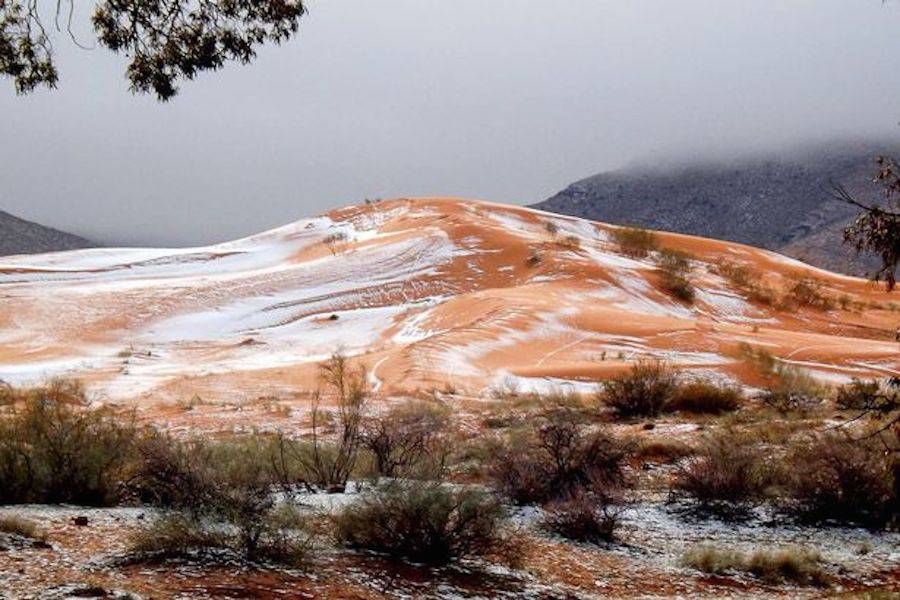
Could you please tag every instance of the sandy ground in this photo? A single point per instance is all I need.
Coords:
(427, 293)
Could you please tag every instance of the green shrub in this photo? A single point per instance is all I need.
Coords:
(634, 242)
(216, 495)
(52, 450)
(644, 391)
(423, 522)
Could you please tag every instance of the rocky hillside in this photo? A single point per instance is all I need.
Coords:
(18, 236)
(781, 202)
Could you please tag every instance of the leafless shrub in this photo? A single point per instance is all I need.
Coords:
(584, 517)
(407, 440)
(329, 466)
(644, 391)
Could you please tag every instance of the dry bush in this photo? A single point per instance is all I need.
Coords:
(584, 517)
(220, 495)
(422, 521)
(172, 536)
(642, 392)
(556, 460)
(675, 271)
(20, 526)
(570, 242)
(807, 293)
(534, 257)
(746, 281)
(794, 565)
(878, 397)
(833, 477)
(328, 466)
(52, 450)
(701, 397)
(725, 477)
(634, 241)
(409, 439)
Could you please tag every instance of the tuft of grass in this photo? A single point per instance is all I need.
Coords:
(634, 241)
(794, 565)
(20, 526)
(746, 281)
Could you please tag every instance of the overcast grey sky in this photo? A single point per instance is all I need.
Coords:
(507, 100)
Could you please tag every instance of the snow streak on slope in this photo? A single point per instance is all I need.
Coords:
(425, 292)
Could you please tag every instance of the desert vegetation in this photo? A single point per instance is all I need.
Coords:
(634, 241)
(417, 487)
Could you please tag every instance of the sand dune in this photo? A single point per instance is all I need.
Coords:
(426, 293)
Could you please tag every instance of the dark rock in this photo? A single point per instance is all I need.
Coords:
(80, 521)
(18, 236)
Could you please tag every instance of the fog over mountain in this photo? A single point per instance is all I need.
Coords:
(781, 201)
(424, 97)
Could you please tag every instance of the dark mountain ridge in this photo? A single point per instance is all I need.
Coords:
(780, 202)
(18, 236)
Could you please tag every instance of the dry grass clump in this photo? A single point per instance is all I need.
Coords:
(675, 270)
(634, 241)
(556, 460)
(879, 397)
(644, 391)
(794, 565)
(703, 398)
(665, 449)
(22, 527)
(725, 477)
(425, 522)
(834, 477)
